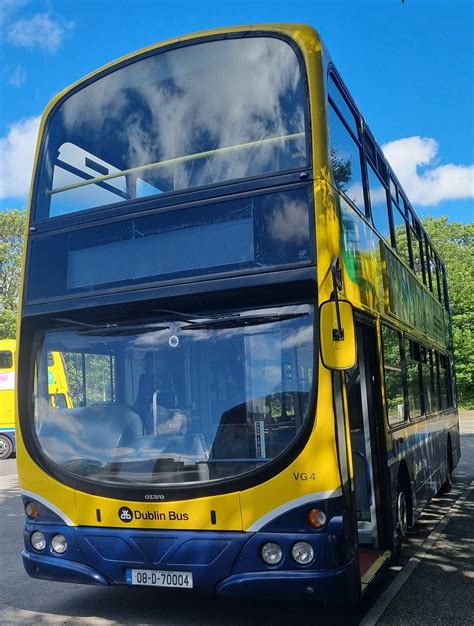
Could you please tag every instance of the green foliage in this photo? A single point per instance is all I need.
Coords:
(12, 226)
(342, 170)
(455, 243)
(96, 384)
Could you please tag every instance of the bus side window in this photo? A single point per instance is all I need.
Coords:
(6, 360)
(443, 381)
(90, 377)
(345, 148)
(400, 231)
(430, 280)
(394, 387)
(378, 203)
(416, 249)
(427, 383)
(434, 274)
(445, 288)
(439, 275)
(413, 370)
(99, 381)
(426, 261)
(434, 380)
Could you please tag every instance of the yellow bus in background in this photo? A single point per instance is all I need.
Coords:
(7, 397)
(59, 396)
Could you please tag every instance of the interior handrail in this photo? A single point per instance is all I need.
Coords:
(174, 161)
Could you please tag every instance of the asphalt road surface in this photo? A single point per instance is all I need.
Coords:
(445, 576)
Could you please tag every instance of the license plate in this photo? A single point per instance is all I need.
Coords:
(158, 578)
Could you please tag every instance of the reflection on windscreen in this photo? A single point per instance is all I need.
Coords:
(182, 118)
(178, 401)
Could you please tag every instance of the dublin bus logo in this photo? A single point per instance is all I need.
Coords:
(125, 514)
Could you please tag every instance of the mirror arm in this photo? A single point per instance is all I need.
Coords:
(337, 333)
(336, 272)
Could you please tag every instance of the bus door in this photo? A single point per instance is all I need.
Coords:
(367, 436)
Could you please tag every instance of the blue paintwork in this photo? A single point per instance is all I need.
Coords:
(48, 568)
(221, 562)
(334, 585)
(423, 452)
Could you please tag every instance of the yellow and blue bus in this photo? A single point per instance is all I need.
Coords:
(57, 391)
(254, 325)
(7, 395)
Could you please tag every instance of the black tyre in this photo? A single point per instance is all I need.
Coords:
(401, 524)
(6, 447)
(448, 483)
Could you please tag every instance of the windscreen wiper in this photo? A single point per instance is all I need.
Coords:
(236, 320)
(113, 328)
(122, 329)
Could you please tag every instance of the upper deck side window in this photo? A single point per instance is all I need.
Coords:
(340, 103)
(186, 117)
(378, 203)
(345, 147)
(6, 360)
(400, 225)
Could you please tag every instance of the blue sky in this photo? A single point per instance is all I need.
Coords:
(409, 66)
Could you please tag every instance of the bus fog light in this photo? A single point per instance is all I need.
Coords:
(317, 518)
(59, 544)
(272, 553)
(31, 510)
(302, 552)
(38, 541)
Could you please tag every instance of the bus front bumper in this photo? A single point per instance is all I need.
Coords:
(226, 563)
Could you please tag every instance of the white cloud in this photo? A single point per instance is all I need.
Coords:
(413, 160)
(17, 150)
(7, 7)
(42, 31)
(17, 77)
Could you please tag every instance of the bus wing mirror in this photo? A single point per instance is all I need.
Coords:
(337, 335)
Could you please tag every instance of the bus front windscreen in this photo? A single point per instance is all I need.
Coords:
(194, 115)
(180, 400)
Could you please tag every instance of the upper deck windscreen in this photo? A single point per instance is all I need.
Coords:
(200, 114)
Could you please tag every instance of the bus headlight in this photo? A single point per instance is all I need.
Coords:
(271, 553)
(59, 544)
(38, 541)
(302, 552)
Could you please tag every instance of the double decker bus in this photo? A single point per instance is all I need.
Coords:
(7, 394)
(254, 323)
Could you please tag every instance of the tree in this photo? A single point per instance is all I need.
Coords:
(12, 226)
(341, 169)
(455, 243)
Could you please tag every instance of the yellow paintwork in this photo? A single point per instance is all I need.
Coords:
(7, 413)
(57, 380)
(239, 510)
(340, 354)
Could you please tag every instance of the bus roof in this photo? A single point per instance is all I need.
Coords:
(8, 344)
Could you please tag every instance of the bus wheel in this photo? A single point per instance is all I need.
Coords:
(401, 528)
(6, 447)
(448, 483)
